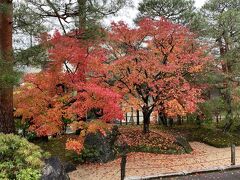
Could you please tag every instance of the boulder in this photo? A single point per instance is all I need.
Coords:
(69, 167)
(54, 170)
(184, 143)
(100, 148)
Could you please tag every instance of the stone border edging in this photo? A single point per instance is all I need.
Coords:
(183, 173)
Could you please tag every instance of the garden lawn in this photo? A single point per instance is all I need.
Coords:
(56, 147)
(211, 136)
(160, 140)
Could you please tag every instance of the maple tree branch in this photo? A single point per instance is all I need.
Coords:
(68, 69)
(124, 83)
(69, 102)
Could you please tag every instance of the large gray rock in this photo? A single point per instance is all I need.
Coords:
(184, 143)
(69, 167)
(100, 148)
(54, 170)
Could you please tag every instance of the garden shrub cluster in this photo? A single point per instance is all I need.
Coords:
(19, 159)
(215, 138)
(96, 142)
(85, 128)
(210, 136)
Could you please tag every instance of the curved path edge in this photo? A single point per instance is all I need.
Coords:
(184, 173)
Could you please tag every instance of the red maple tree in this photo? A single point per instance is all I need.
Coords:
(69, 88)
(152, 65)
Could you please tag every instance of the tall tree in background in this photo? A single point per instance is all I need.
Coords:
(178, 11)
(223, 25)
(31, 17)
(83, 14)
(27, 22)
(6, 68)
(28, 28)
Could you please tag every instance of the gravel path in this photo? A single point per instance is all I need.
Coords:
(146, 164)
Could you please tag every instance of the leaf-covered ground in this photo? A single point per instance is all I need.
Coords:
(159, 140)
(146, 164)
(155, 141)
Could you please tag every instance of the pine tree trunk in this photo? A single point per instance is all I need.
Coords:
(6, 58)
(227, 69)
(82, 13)
(229, 115)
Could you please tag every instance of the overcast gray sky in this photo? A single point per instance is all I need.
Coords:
(128, 14)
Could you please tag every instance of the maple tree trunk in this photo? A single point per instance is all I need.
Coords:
(179, 120)
(170, 122)
(163, 118)
(146, 119)
(6, 58)
(131, 117)
(217, 118)
(138, 117)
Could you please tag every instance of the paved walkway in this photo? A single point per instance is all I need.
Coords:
(146, 164)
(225, 175)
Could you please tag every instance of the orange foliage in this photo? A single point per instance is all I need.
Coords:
(173, 107)
(68, 88)
(155, 64)
(75, 145)
(148, 67)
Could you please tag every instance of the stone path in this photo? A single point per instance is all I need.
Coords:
(147, 164)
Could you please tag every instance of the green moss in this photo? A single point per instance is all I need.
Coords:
(210, 136)
(87, 153)
(57, 147)
(156, 150)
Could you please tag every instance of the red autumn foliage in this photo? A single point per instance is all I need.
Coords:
(154, 64)
(69, 88)
(150, 67)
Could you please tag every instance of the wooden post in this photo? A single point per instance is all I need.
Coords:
(233, 154)
(123, 160)
(138, 117)
(126, 118)
(123, 166)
